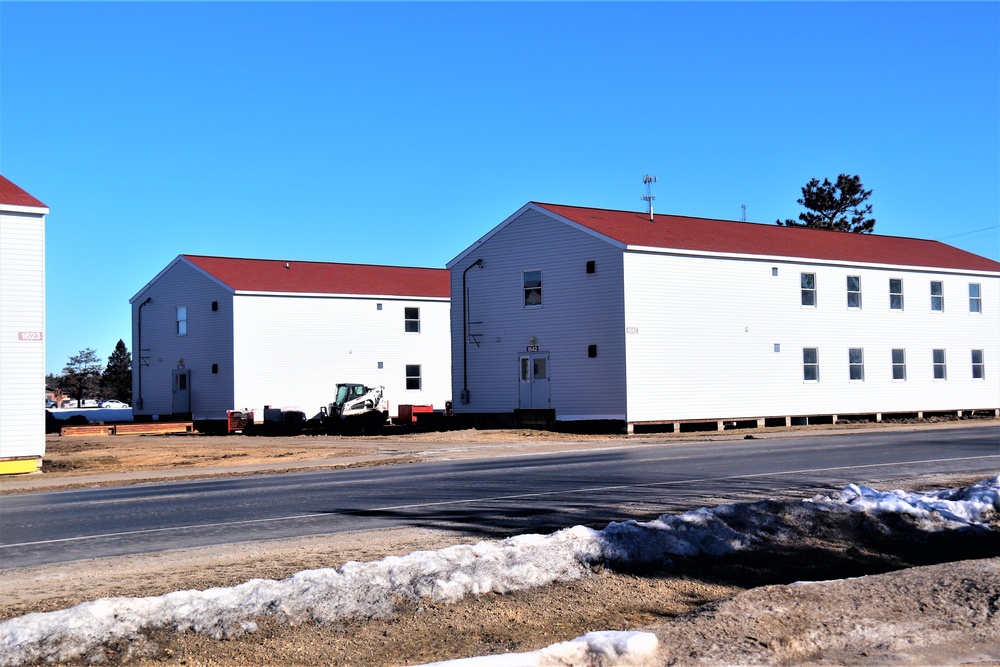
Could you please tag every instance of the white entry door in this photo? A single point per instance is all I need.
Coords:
(534, 380)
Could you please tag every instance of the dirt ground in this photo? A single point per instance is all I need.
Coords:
(740, 610)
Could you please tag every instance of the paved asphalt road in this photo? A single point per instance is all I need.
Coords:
(494, 498)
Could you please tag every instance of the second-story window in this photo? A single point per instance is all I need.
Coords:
(853, 291)
(411, 317)
(182, 320)
(937, 295)
(532, 283)
(808, 282)
(896, 293)
(975, 298)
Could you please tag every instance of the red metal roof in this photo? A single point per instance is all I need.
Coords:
(746, 238)
(271, 275)
(14, 196)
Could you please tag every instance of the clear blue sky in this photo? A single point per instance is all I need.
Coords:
(399, 133)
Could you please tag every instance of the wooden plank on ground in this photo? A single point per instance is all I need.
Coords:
(90, 429)
(154, 427)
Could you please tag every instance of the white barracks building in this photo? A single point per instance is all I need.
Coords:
(22, 330)
(213, 334)
(592, 314)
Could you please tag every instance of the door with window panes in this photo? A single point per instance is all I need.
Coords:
(533, 383)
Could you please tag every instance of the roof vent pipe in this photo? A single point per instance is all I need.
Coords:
(649, 196)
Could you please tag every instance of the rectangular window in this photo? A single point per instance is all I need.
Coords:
(937, 295)
(413, 376)
(856, 361)
(411, 320)
(975, 300)
(978, 366)
(532, 282)
(182, 321)
(940, 366)
(853, 291)
(808, 281)
(896, 293)
(810, 364)
(899, 364)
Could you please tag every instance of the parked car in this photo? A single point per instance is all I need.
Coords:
(49, 403)
(117, 405)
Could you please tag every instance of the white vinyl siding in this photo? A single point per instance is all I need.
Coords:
(291, 351)
(22, 333)
(708, 330)
(579, 309)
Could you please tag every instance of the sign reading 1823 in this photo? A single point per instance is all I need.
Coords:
(29, 335)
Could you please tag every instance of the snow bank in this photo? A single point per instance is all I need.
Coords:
(368, 590)
(604, 649)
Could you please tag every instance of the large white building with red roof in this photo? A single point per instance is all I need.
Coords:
(22, 329)
(593, 314)
(212, 334)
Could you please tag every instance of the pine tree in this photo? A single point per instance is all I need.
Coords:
(82, 375)
(116, 380)
(830, 203)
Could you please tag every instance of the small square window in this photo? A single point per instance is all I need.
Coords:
(413, 376)
(378, 306)
(411, 320)
(380, 365)
(774, 270)
(808, 282)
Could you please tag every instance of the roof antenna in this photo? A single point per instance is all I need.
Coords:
(744, 207)
(649, 197)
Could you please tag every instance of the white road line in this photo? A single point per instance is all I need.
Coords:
(472, 501)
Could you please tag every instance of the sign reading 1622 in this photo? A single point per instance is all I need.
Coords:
(29, 335)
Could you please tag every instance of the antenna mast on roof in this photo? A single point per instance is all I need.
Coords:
(649, 196)
(744, 207)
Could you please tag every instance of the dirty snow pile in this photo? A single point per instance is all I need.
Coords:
(368, 590)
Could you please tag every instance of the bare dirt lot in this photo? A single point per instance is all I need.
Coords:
(730, 611)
